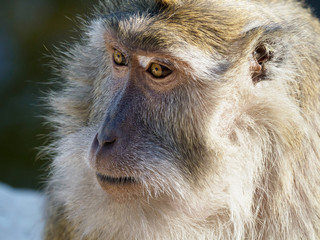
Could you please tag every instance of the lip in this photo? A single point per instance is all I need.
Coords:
(124, 180)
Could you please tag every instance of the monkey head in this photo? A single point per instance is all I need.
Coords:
(200, 106)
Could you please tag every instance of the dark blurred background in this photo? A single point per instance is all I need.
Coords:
(29, 30)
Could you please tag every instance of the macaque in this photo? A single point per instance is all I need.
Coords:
(188, 119)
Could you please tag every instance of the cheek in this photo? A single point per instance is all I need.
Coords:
(222, 121)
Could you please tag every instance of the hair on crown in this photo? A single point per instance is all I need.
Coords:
(167, 2)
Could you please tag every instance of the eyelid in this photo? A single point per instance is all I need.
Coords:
(163, 62)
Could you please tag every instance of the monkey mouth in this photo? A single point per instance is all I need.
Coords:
(116, 180)
(120, 189)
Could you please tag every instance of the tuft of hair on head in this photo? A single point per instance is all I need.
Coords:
(168, 2)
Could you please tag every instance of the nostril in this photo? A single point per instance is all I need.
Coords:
(105, 139)
(109, 141)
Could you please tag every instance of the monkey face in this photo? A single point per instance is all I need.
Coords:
(149, 135)
(170, 101)
(167, 103)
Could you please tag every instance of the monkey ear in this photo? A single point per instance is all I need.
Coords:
(259, 58)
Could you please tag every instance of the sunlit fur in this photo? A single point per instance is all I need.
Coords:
(260, 173)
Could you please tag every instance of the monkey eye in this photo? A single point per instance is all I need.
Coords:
(158, 71)
(119, 58)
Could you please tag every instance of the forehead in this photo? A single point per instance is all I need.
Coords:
(157, 29)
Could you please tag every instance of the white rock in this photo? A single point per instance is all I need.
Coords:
(21, 214)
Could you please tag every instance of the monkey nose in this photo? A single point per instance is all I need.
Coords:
(106, 138)
(102, 146)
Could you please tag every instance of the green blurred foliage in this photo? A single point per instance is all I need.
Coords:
(29, 30)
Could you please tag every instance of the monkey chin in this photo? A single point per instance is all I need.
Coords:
(120, 189)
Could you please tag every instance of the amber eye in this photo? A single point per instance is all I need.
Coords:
(118, 58)
(159, 71)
